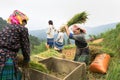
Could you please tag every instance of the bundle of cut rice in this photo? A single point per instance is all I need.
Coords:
(32, 64)
(76, 19)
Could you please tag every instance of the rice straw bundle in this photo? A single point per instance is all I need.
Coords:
(78, 18)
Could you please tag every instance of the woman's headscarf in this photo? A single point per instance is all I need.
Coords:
(75, 27)
(17, 17)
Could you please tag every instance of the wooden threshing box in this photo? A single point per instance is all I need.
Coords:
(60, 69)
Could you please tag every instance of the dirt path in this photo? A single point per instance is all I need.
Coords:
(98, 41)
(69, 53)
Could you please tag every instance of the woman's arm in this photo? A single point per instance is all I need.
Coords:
(79, 37)
(25, 44)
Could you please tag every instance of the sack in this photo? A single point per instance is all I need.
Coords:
(100, 63)
(8, 71)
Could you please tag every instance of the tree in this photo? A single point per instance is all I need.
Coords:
(34, 41)
(3, 23)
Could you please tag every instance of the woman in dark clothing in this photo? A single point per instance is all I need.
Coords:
(12, 38)
(82, 50)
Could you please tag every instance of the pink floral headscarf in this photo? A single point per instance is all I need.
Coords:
(16, 17)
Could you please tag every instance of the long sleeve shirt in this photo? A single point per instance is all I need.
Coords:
(80, 41)
(13, 38)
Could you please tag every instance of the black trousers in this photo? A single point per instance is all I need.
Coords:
(82, 55)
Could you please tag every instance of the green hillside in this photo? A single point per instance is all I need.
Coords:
(110, 45)
(3, 23)
(112, 42)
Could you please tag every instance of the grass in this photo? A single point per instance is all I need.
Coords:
(69, 46)
(37, 49)
(39, 66)
(49, 53)
(114, 70)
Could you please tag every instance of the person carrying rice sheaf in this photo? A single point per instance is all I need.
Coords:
(13, 37)
(82, 49)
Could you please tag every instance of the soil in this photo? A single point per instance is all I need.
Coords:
(98, 41)
(59, 75)
(69, 53)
